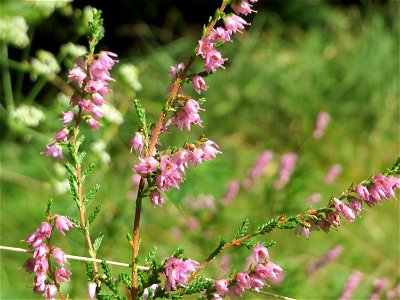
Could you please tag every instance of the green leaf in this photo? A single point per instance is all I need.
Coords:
(98, 241)
(90, 195)
(267, 227)
(178, 253)
(199, 284)
(94, 214)
(88, 171)
(49, 205)
(217, 250)
(242, 230)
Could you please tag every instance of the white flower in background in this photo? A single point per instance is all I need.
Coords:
(45, 64)
(47, 7)
(111, 114)
(63, 100)
(13, 31)
(62, 187)
(130, 75)
(73, 50)
(99, 147)
(59, 169)
(27, 115)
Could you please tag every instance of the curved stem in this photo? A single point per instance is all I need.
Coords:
(135, 242)
(80, 194)
(7, 85)
(152, 144)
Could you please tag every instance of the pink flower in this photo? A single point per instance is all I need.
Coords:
(288, 162)
(156, 198)
(174, 70)
(78, 73)
(137, 142)
(178, 271)
(322, 121)
(333, 218)
(59, 256)
(97, 111)
(40, 279)
(62, 223)
(105, 59)
(99, 72)
(256, 171)
(62, 274)
(347, 212)
(351, 284)
(234, 23)
(151, 289)
(41, 265)
(98, 99)
(50, 291)
(67, 117)
(256, 283)
(92, 289)
(188, 115)
(221, 286)
(213, 60)
(333, 173)
(55, 151)
(207, 151)
(146, 166)
(314, 198)
(86, 105)
(41, 252)
(45, 229)
(61, 135)
(231, 192)
(93, 123)
(96, 86)
(385, 186)
(199, 83)
(356, 205)
(204, 47)
(260, 253)
(243, 8)
(219, 34)
(243, 280)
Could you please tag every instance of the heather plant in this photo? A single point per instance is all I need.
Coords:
(160, 168)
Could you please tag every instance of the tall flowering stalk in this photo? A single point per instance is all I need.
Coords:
(89, 77)
(165, 169)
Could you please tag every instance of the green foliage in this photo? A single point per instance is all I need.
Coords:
(96, 30)
(279, 76)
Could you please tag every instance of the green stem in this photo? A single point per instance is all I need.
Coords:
(7, 85)
(20, 75)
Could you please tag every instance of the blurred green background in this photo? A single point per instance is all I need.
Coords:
(299, 58)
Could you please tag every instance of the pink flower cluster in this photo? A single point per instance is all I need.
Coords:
(39, 262)
(206, 47)
(178, 272)
(323, 120)
(351, 284)
(91, 85)
(169, 168)
(288, 162)
(331, 255)
(256, 171)
(262, 270)
(333, 173)
(380, 187)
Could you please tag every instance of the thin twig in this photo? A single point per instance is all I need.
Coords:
(74, 257)
(273, 295)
